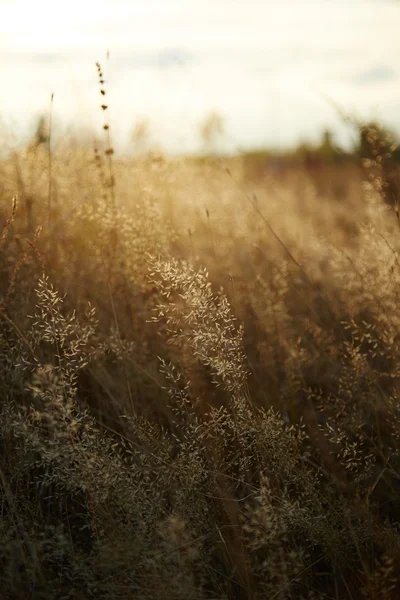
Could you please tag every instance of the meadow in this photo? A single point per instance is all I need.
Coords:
(200, 373)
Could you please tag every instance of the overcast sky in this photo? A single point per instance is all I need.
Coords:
(266, 66)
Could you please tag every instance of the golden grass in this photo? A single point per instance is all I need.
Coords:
(219, 417)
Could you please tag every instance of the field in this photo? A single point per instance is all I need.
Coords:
(200, 370)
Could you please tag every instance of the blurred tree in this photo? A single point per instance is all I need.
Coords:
(380, 155)
(376, 140)
(41, 135)
(327, 148)
(141, 136)
(212, 128)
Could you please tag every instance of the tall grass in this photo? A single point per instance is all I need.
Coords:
(191, 413)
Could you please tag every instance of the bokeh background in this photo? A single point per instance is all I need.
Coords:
(268, 69)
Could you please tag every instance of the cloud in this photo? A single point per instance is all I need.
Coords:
(254, 61)
(376, 74)
(165, 58)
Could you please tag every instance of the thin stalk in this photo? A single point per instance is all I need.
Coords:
(49, 192)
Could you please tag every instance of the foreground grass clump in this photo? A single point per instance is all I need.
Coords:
(200, 383)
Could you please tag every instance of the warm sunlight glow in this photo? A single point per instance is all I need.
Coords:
(173, 62)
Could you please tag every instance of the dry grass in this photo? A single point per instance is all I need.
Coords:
(206, 405)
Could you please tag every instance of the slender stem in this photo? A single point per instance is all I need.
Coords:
(49, 207)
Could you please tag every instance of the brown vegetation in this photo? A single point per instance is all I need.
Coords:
(200, 377)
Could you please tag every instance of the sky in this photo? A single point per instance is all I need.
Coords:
(271, 69)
